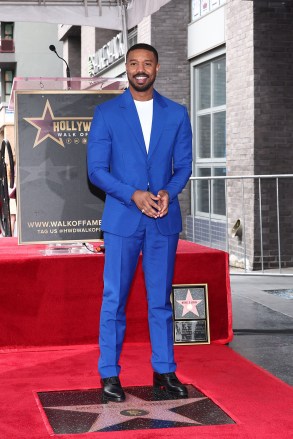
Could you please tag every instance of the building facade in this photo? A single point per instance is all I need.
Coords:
(241, 104)
(230, 62)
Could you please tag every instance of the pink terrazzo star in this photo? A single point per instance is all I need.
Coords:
(189, 304)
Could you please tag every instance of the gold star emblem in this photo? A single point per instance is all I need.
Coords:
(52, 127)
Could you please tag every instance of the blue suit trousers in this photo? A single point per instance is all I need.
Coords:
(121, 259)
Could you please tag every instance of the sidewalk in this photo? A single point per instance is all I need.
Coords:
(263, 322)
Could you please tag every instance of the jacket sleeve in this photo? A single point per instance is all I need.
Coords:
(182, 158)
(99, 159)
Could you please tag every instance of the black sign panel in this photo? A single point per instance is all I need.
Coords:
(56, 202)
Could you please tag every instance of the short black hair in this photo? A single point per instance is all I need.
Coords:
(143, 46)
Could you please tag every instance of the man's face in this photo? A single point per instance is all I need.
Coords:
(141, 68)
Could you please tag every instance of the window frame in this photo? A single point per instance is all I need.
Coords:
(212, 162)
(202, 12)
(5, 83)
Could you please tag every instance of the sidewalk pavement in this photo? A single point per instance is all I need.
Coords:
(263, 322)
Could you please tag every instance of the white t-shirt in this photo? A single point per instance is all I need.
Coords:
(145, 113)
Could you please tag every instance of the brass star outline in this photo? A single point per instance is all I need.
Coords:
(33, 121)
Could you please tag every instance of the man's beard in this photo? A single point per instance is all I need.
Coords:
(141, 88)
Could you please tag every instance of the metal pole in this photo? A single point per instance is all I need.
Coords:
(193, 192)
(210, 211)
(123, 6)
(227, 221)
(260, 224)
(244, 228)
(278, 224)
(260, 178)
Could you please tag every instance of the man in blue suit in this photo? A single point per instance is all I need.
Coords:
(140, 154)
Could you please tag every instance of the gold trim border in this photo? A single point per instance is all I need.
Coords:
(205, 286)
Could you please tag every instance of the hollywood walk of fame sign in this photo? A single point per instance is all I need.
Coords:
(56, 201)
(191, 314)
(84, 411)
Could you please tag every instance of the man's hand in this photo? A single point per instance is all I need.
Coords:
(163, 202)
(147, 202)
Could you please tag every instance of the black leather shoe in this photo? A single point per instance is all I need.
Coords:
(170, 383)
(112, 389)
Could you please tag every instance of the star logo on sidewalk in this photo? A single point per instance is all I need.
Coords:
(109, 415)
(84, 411)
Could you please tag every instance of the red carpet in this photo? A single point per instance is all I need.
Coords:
(260, 404)
(46, 304)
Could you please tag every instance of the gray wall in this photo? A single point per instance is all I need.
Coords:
(74, 56)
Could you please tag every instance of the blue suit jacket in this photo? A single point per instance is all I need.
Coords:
(119, 164)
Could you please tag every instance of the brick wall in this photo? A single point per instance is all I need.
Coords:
(240, 123)
(169, 36)
(273, 148)
(259, 43)
(273, 67)
(144, 30)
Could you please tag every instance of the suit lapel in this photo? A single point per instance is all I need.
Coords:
(159, 121)
(131, 118)
(130, 115)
